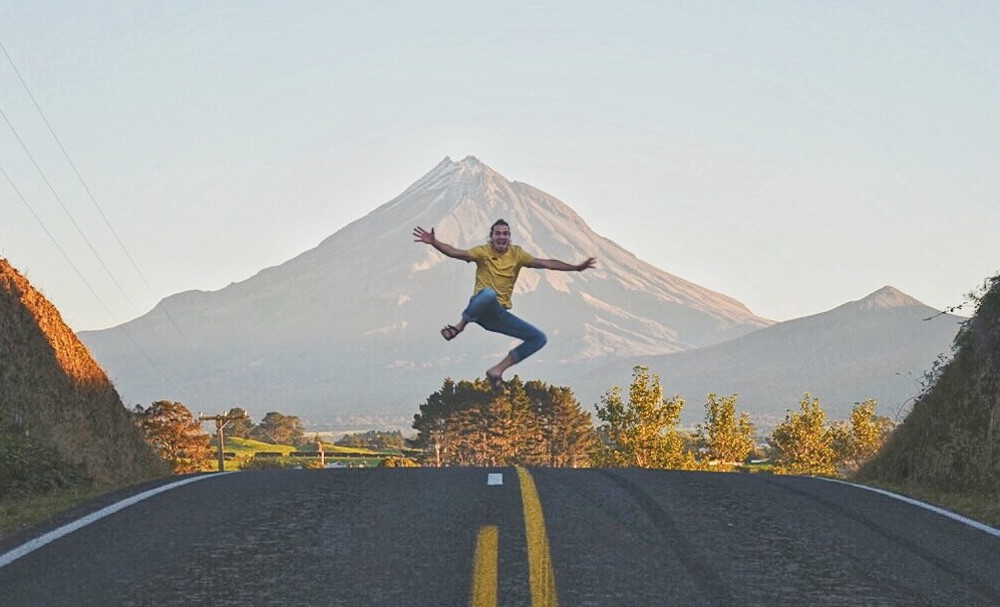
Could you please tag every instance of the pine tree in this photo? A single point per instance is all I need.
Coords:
(279, 429)
(465, 423)
(568, 437)
(239, 424)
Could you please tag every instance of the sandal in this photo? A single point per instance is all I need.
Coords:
(496, 381)
(449, 332)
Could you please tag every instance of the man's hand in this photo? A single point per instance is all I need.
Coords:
(586, 265)
(424, 236)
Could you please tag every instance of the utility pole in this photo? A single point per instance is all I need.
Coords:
(220, 422)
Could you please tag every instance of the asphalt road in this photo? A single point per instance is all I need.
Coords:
(446, 537)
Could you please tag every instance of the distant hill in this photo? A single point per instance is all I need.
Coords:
(951, 439)
(56, 400)
(349, 329)
(877, 347)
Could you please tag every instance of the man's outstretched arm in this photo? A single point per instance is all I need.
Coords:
(422, 235)
(555, 264)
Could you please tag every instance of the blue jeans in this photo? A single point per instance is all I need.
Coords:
(486, 311)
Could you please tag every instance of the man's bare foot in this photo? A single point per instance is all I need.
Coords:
(496, 381)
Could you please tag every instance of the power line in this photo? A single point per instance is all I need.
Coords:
(75, 171)
(85, 281)
(93, 200)
(66, 210)
(100, 211)
(55, 242)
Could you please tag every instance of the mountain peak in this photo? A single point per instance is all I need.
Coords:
(472, 167)
(885, 298)
(448, 172)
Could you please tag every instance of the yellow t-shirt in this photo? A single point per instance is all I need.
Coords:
(498, 270)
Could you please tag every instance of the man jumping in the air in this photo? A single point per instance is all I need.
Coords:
(497, 266)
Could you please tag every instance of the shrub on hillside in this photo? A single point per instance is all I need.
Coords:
(28, 469)
(951, 438)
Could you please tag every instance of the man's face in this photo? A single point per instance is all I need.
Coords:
(500, 238)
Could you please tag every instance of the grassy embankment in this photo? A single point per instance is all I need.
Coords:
(976, 506)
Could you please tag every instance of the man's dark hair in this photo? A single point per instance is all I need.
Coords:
(498, 222)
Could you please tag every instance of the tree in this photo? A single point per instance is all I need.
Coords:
(279, 429)
(443, 422)
(465, 423)
(568, 438)
(723, 437)
(239, 425)
(175, 434)
(642, 432)
(857, 441)
(802, 443)
(484, 429)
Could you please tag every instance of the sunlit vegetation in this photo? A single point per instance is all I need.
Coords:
(63, 428)
(465, 423)
(642, 432)
(277, 441)
(175, 434)
(21, 511)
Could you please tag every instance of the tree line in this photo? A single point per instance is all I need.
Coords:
(532, 423)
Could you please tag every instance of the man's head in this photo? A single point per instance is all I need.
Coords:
(499, 235)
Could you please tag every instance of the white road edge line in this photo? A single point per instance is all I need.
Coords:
(32, 545)
(948, 513)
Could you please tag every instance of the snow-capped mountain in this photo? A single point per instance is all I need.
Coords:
(350, 327)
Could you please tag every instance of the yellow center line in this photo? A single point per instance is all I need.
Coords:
(541, 575)
(484, 578)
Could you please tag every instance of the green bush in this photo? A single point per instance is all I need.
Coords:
(27, 469)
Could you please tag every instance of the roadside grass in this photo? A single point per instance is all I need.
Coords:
(21, 512)
(980, 507)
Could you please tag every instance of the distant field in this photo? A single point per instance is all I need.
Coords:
(248, 446)
(249, 454)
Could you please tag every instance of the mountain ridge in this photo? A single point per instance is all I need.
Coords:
(875, 347)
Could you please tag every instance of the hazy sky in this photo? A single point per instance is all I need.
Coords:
(794, 155)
